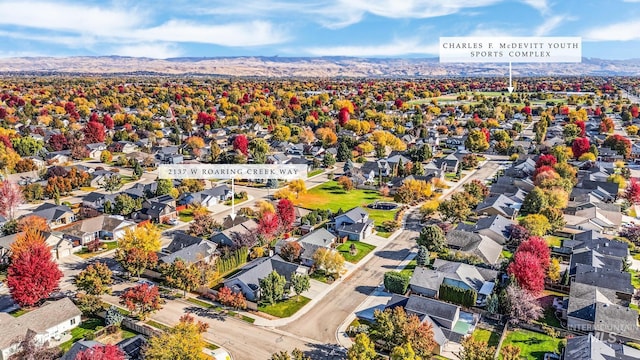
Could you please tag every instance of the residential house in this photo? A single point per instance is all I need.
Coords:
(509, 186)
(498, 205)
(448, 322)
(207, 197)
(94, 200)
(99, 177)
(96, 149)
(103, 227)
(49, 322)
(497, 227)
(169, 155)
(247, 229)
(602, 312)
(131, 348)
(320, 238)
(354, 224)
(522, 168)
(58, 157)
(606, 154)
(372, 170)
(278, 158)
(590, 347)
(599, 216)
(160, 209)
(485, 248)
(56, 215)
(427, 282)
(247, 280)
(449, 163)
(190, 249)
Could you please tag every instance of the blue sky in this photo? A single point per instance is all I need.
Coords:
(364, 28)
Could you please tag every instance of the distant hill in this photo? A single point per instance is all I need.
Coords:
(305, 67)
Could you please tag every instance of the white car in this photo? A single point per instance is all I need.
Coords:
(172, 222)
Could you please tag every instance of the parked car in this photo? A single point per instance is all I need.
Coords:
(172, 222)
(143, 281)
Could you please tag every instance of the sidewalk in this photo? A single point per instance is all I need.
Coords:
(377, 300)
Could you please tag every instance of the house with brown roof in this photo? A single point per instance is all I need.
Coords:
(103, 227)
(50, 322)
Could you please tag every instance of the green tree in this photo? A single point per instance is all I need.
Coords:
(403, 352)
(555, 217)
(432, 237)
(164, 186)
(344, 153)
(181, 275)
(259, 149)
(26, 145)
(272, 288)
(362, 348)
(111, 183)
(534, 202)
(328, 159)
(394, 327)
(476, 141)
(95, 279)
(300, 283)
(458, 208)
(125, 205)
(423, 258)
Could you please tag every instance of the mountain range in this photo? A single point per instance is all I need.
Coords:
(316, 67)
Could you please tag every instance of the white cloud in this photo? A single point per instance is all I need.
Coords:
(549, 25)
(622, 31)
(150, 50)
(396, 48)
(540, 5)
(253, 33)
(68, 17)
(76, 25)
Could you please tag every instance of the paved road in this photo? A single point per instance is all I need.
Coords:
(322, 322)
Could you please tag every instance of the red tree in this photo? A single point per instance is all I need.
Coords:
(606, 125)
(58, 142)
(597, 111)
(343, 116)
(205, 119)
(580, 146)
(527, 271)
(539, 248)
(543, 169)
(546, 160)
(619, 143)
(634, 111)
(101, 352)
(94, 132)
(240, 143)
(286, 213)
(142, 299)
(487, 134)
(33, 275)
(582, 127)
(108, 121)
(10, 198)
(632, 193)
(526, 110)
(291, 251)
(268, 225)
(5, 140)
(398, 103)
(94, 117)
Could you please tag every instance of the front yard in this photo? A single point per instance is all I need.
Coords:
(106, 246)
(332, 196)
(362, 249)
(410, 267)
(533, 345)
(186, 215)
(285, 308)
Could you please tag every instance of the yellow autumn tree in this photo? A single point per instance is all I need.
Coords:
(183, 341)
(145, 237)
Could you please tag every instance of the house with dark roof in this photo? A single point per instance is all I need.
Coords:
(605, 278)
(498, 205)
(201, 251)
(427, 282)
(601, 311)
(207, 197)
(160, 209)
(131, 347)
(485, 248)
(225, 237)
(50, 321)
(597, 215)
(103, 227)
(590, 347)
(247, 280)
(497, 227)
(56, 215)
(354, 224)
(448, 322)
(372, 170)
(320, 238)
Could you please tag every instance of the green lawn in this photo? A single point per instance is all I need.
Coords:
(315, 172)
(126, 179)
(362, 249)
(410, 267)
(488, 336)
(635, 280)
(201, 303)
(330, 195)
(86, 255)
(157, 325)
(533, 345)
(506, 254)
(80, 332)
(320, 276)
(553, 240)
(245, 318)
(286, 308)
(19, 312)
(186, 215)
(550, 318)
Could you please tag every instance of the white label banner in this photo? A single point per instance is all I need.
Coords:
(536, 49)
(232, 171)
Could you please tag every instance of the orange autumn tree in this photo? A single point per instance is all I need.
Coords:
(33, 222)
(25, 241)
